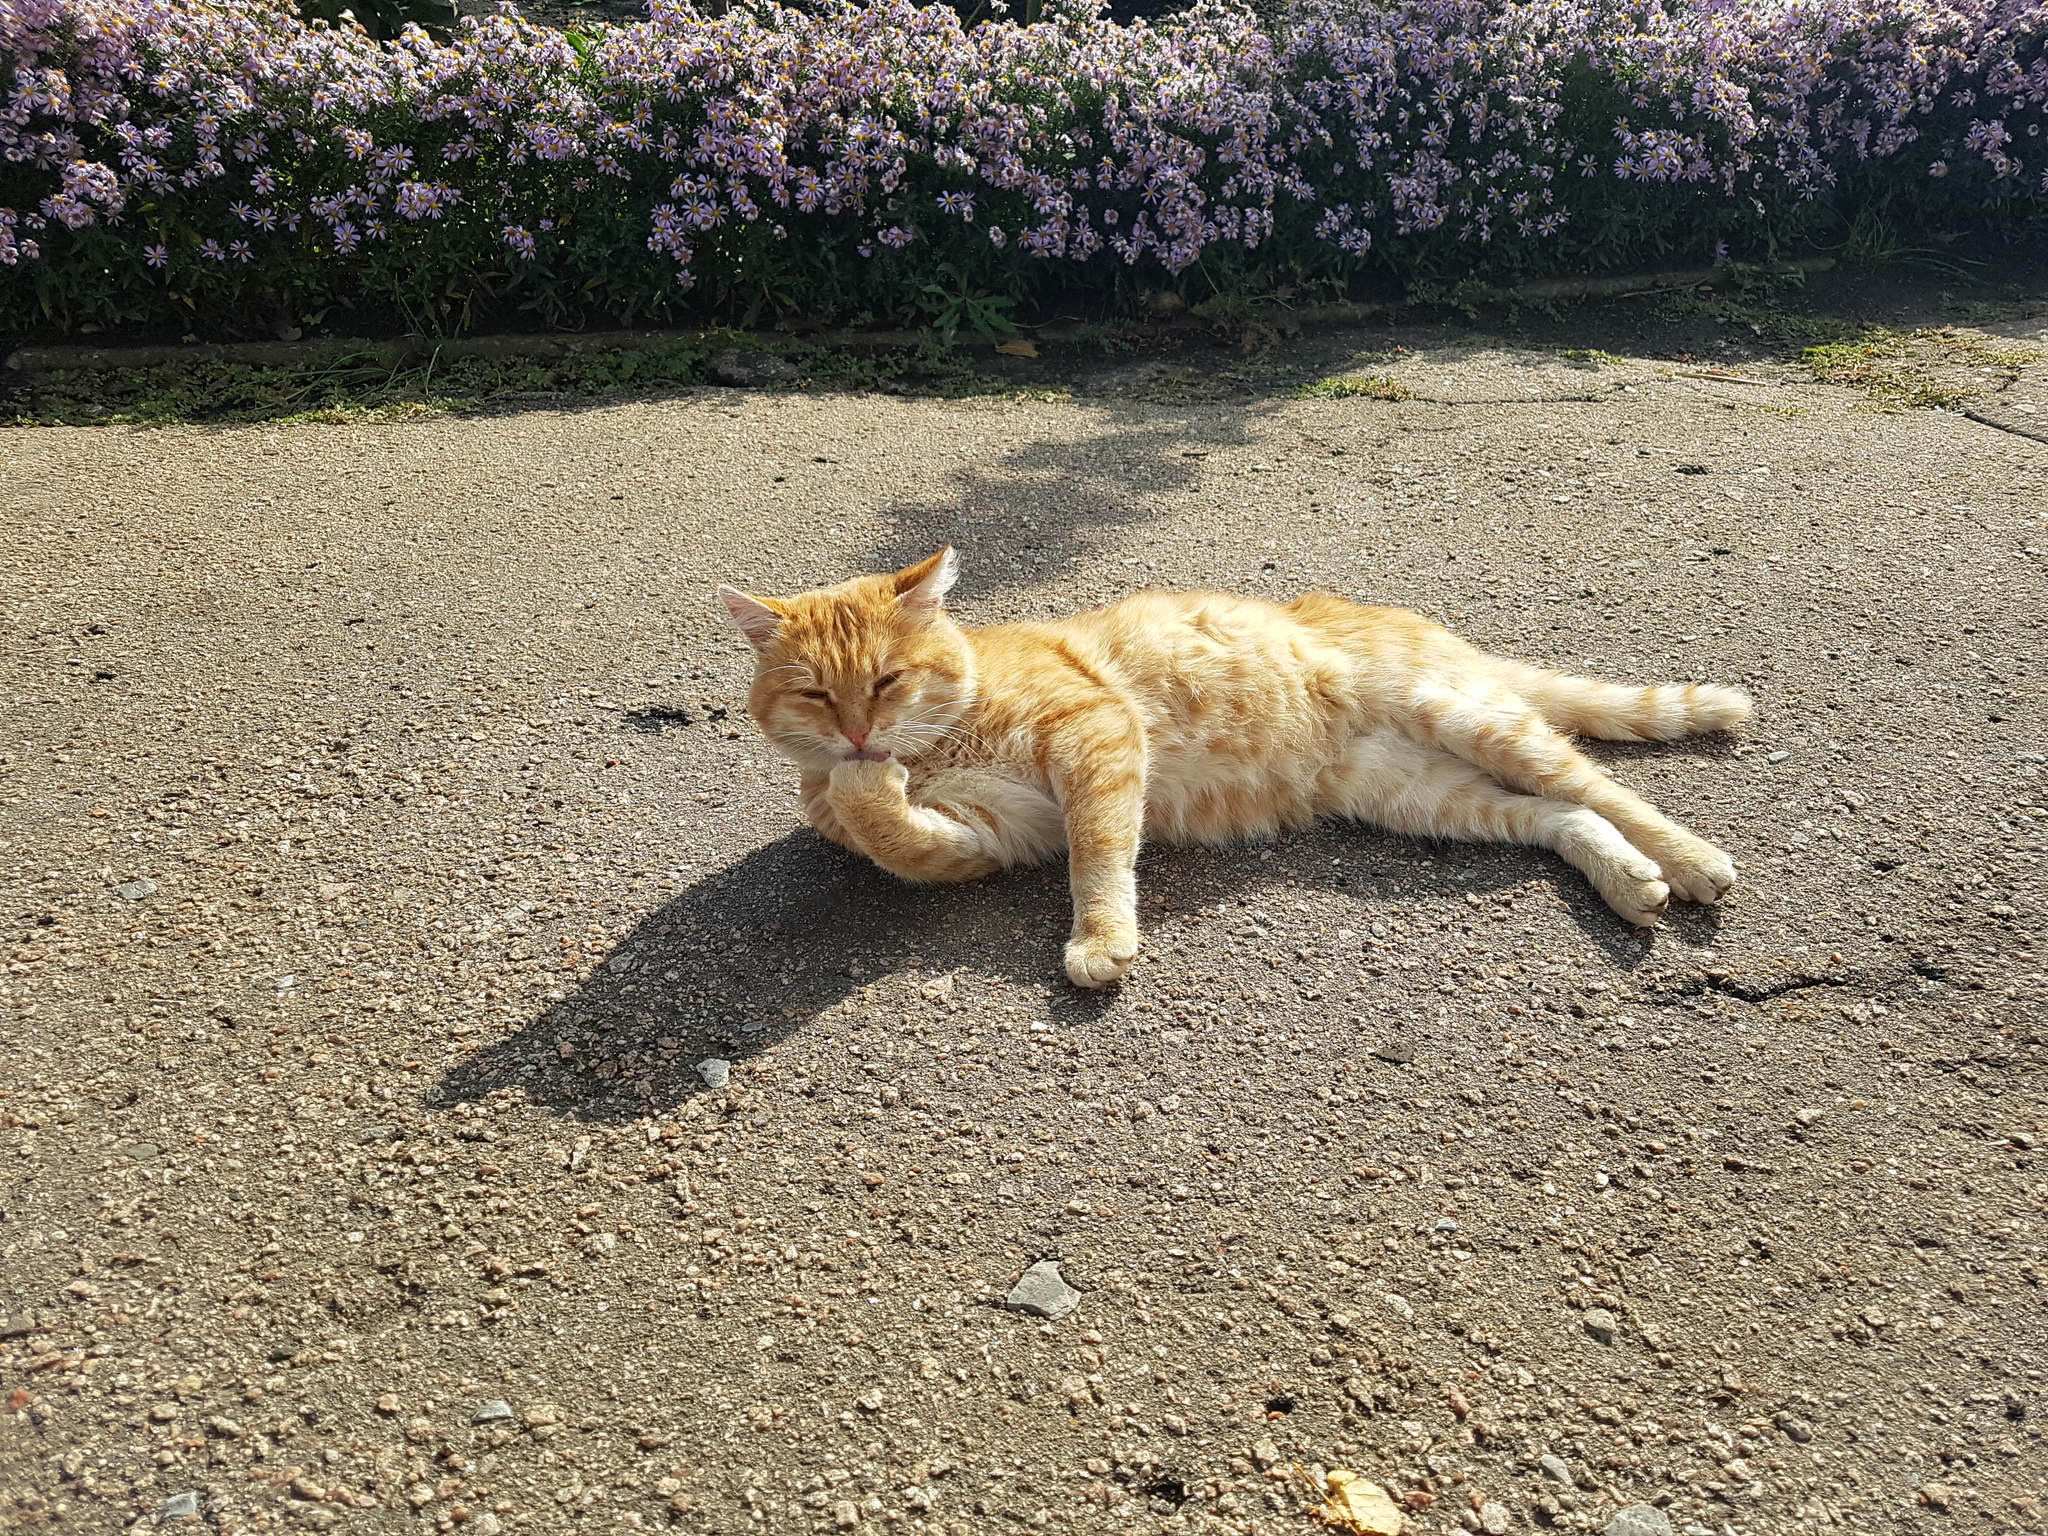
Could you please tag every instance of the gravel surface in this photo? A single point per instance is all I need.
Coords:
(451, 1089)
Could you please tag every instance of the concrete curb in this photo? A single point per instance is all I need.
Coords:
(413, 349)
(416, 350)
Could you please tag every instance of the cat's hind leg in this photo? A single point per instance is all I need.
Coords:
(1503, 735)
(1393, 782)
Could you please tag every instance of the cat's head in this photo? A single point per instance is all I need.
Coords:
(871, 668)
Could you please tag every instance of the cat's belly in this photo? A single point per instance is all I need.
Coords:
(1195, 793)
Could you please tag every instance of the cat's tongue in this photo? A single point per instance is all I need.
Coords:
(868, 755)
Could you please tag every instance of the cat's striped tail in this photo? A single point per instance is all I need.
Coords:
(1585, 706)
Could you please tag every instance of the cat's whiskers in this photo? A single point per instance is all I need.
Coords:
(941, 732)
(917, 745)
(944, 730)
(956, 709)
(920, 737)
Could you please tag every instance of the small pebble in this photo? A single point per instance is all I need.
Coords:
(1042, 1293)
(180, 1506)
(497, 1408)
(1600, 1323)
(1798, 1431)
(137, 890)
(715, 1071)
(1638, 1520)
(1938, 1496)
(1555, 1468)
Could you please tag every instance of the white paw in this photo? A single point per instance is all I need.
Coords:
(1097, 960)
(863, 778)
(1697, 871)
(1641, 905)
(1632, 887)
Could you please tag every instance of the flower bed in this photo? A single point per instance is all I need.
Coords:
(172, 163)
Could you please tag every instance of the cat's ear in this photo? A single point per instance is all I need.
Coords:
(756, 619)
(923, 587)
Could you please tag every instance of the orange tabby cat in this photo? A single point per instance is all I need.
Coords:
(943, 753)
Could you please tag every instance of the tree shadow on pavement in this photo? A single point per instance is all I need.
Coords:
(1034, 511)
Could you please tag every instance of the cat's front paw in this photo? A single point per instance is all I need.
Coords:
(867, 779)
(1100, 959)
(1640, 903)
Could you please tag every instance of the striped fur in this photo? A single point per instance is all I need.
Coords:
(1586, 706)
(943, 753)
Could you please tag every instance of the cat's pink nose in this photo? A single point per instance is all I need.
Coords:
(857, 734)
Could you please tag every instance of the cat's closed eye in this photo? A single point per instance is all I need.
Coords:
(816, 693)
(883, 682)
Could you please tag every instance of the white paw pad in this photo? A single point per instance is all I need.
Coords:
(1097, 961)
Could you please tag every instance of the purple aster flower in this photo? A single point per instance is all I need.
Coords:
(1428, 120)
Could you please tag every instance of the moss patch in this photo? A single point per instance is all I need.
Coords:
(1905, 370)
(1356, 389)
(368, 387)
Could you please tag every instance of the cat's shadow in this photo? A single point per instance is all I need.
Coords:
(739, 961)
(787, 939)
